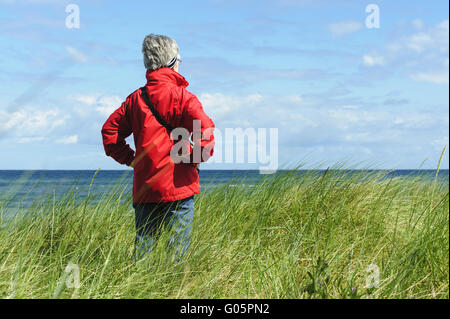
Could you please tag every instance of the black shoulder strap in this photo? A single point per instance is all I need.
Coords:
(153, 110)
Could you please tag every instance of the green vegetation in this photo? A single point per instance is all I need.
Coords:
(285, 237)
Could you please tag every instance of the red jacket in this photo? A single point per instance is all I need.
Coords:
(156, 176)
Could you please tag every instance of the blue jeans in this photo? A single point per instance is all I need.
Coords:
(151, 217)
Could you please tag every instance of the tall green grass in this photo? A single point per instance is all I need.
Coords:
(284, 237)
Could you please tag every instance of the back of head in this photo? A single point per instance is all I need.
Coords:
(159, 51)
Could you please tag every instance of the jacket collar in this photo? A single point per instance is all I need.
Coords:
(166, 75)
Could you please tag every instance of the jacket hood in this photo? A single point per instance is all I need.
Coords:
(166, 75)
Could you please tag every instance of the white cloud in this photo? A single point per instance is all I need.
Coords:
(30, 122)
(415, 121)
(68, 140)
(104, 105)
(434, 38)
(422, 55)
(77, 55)
(346, 118)
(108, 104)
(346, 27)
(350, 107)
(306, 116)
(418, 24)
(370, 60)
(25, 140)
(437, 78)
(79, 121)
(88, 99)
(221, 106)
(440, 143)
(419, 42)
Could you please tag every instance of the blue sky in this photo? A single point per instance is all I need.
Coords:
(335, 89)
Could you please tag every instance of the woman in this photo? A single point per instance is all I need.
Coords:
(163, 187)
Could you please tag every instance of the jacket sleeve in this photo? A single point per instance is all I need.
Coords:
(196, 121)
(114, 132)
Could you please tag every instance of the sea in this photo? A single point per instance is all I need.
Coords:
(20, 188)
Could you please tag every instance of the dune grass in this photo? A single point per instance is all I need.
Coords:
(315, 236)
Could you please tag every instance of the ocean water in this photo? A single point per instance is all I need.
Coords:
(19, 188)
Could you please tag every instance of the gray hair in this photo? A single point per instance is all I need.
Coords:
(159, 51)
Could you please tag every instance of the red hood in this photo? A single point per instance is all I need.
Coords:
(166, 75)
